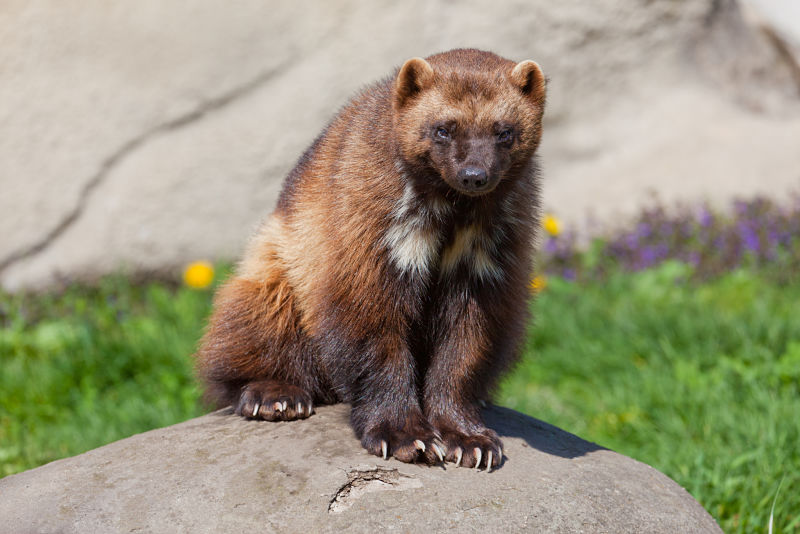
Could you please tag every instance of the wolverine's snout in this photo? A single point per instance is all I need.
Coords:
(472, 178)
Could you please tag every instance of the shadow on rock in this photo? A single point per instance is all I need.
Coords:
(537, 434)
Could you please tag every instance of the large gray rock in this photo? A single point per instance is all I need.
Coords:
(141, 135)
(221, 473)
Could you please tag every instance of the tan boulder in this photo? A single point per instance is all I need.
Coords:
(222, 473)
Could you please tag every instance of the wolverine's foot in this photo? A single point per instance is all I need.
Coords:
(274, 401)
(482, 450)
(413, 443)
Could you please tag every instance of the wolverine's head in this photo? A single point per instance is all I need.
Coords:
(471, 116)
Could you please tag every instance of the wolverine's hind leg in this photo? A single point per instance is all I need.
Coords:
(274, 400)
(255, 356)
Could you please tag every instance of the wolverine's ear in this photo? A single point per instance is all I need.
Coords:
(415, 75)
(529, 78)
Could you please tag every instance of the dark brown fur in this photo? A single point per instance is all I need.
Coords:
(393, 273)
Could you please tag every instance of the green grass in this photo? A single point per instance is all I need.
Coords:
(93, 365)
(699, 380)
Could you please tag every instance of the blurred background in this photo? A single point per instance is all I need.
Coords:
(144, 136)
(141, 144)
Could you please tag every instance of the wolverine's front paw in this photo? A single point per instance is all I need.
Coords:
(479, 450)
(412, 443)
(274, 401)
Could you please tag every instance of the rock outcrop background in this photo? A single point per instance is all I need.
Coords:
(142, 135)
(221, 473)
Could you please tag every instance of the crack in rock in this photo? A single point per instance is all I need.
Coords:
(361, 481)
(785, 53)
(129, 147)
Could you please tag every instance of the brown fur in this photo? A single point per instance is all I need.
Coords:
(393, 273)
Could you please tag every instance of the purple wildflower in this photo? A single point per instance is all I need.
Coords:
(706, 218)
(749, 237)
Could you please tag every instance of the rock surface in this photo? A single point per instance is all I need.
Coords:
(221, 473)
(146, 134)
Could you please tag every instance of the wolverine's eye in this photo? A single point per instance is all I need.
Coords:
(506, 136)
(442, 134)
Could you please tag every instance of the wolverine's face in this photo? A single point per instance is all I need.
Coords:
(471, 126)
(471, 158)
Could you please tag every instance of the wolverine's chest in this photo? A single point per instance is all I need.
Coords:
(428, 238)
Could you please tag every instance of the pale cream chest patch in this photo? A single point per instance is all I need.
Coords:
(412, 246)
(472, 246)
(411, 239)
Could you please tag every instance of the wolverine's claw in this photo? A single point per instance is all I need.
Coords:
(479, 454)
(273, 401)
(459, 454)
(489, 461)
(384, 448)
(419, 444)
(438, 452)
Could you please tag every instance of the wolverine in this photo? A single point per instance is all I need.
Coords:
(393, 273)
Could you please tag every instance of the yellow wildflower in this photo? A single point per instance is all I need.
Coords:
(537, 284)
(551, 225)
(198, 274)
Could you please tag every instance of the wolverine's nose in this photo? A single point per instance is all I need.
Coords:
(472, 178)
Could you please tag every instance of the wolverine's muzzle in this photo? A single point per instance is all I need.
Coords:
(472, 178)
